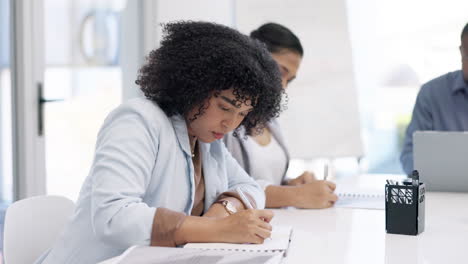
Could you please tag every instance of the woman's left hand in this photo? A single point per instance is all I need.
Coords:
(305, 177)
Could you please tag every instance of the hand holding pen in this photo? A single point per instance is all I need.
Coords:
(248, 204)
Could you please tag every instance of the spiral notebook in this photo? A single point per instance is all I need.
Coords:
(362, 199)
(165, 255)
(278, 242)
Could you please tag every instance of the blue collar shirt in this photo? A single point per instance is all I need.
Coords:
(441, 105)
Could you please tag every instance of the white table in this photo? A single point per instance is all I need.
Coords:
(342, 235)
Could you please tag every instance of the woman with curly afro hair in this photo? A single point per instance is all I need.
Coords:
(161, 175)
(265, 156)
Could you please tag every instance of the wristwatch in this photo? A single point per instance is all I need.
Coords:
(230, 208)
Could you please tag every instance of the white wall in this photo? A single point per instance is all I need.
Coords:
(147, 15)
(322, 119)
(397, 46)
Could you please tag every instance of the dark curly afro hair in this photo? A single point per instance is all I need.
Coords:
(197, 60)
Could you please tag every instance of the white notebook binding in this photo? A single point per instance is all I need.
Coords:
(363, 200)
(279, 242)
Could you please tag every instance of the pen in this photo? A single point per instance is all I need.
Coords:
(325, 172)
(415, 178)
(247, 202)
(244, 199)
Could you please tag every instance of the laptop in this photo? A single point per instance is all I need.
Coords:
(442, 160)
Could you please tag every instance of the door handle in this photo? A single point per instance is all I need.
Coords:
(40, 111)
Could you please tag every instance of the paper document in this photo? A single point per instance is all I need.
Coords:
(366, 191)
(364, 199)
(361, 200)
(165, 255)
(279, 242)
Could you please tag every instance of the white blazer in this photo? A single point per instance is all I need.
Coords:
(142, 162)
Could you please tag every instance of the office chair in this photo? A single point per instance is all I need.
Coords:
(32, 225)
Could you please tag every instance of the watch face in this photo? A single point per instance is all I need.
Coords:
(230, 208)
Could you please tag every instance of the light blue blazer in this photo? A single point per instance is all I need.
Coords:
(142, 162)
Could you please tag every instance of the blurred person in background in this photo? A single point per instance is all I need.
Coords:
(441, 105)
(265, 156)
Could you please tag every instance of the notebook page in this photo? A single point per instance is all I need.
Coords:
(279, 241)
(360, 198)
(162, 255)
